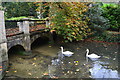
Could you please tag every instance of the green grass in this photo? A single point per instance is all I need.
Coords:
(21, 17)
(17, 18)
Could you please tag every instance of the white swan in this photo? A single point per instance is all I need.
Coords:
(66, 53)
(92, 55)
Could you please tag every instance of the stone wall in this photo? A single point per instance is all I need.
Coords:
(3, 46)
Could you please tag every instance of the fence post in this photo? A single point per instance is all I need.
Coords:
(20, 25)
(47, 23)
(3, 46)
(26, 27)
(26, 30)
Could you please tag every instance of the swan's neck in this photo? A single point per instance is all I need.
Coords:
(87, 53)
(62, 49)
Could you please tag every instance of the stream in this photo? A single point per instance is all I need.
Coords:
(44, 62)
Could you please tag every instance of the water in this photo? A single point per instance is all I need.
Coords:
(81, 68)
(78, 66)
(47, 61)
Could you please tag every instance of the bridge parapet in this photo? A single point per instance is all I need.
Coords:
(3, 46)
(14, 27)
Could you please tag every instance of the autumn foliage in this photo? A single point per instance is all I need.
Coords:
(68, 20)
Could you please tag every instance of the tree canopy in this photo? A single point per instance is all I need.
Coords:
(68, 19)
(17, 9)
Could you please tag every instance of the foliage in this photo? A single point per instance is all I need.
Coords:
(108, 37)
(1, 8)
(97, 22)
(42, 9)
(17, 9)
(112, 12)
(68, 20)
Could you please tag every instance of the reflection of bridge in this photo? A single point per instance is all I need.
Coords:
(23, 36)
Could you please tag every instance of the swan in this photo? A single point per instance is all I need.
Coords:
(92, 55)
(66, 53)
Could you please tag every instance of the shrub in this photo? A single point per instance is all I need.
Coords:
(97, 23)
(108, 37)
(112, 13)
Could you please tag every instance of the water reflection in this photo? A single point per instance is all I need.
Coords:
(100, 71)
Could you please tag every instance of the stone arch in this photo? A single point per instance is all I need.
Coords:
(16, 48)
(39, 41)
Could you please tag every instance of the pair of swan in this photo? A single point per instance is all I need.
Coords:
(69, 53)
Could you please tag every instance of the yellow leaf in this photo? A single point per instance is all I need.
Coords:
(34, 58)
(29, 73)
(15, 71)
(49, 46)
(33, 63)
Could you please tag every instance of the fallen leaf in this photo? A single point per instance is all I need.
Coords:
(68, 71)
(45, 74)
(65, 74)
(29, 73)
(76, 64)
(7, 71)
(50, 46)
(77, 69)
(34, 58)
(78, 48)
(75, 73)
(54, 77)
(0, 69)
(114, 58)
(15, 71)
(33, 63)
(69, 62)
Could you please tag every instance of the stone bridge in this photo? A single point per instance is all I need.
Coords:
(23, 36)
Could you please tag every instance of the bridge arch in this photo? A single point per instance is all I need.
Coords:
(39, 41)
(16, 49)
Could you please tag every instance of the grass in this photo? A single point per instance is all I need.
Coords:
(21, 17)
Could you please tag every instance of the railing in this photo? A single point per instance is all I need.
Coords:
(37, 25)
(11, 28)
(15, 27)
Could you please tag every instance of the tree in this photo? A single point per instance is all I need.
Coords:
(17, 9)
(97, 22)
(68, 20)
(112, 13)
